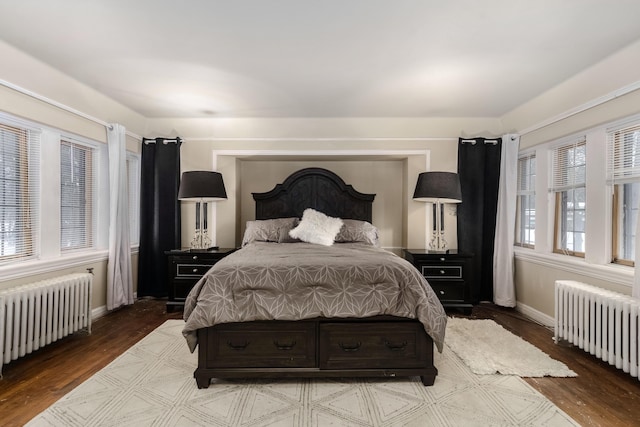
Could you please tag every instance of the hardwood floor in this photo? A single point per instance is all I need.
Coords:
(600, 396)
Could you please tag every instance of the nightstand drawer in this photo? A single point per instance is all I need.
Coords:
(449, 274)
(185, 268)
(182, 287)
(442, 271)
(192, 270)
(449, 291)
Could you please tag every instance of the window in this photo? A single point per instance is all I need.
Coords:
(77, 193)
(569, 185)
(526, 202)
(133, 186)
(19, 192)
(623, 173)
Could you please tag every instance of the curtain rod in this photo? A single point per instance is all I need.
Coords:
(484, 141)
(165, 141)
(62, 106)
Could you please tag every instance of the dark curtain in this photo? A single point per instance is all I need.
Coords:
(479, 170)
(159, 213)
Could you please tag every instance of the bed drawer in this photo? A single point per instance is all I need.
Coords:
(372, 345)
(261, 344)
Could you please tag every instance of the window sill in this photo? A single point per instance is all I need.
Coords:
(614, 273)
(63, 262)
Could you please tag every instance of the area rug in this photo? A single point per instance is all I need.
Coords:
(488, 348)
(152, 384)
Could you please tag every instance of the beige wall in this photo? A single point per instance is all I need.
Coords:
(391, 173)
(601, 94)
(24, 73)
(250, 138)
(28, 73)
(382, 177)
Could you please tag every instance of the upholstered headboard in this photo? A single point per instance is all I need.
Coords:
(315, 188)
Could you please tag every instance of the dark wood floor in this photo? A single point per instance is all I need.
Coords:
(600, 396)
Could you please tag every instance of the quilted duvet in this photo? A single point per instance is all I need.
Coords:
(294, 281)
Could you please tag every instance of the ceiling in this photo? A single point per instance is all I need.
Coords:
(320, 58)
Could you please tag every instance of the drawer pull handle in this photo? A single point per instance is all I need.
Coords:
(442, 271)
(284, 346)
(355, 347)
(441, 292)
(195, 270)
(395, 347)
(443, 259)
(195, 257)
(238, 346)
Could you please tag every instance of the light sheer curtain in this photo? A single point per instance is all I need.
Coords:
(119, 275)
(504, 290)
(635, 290)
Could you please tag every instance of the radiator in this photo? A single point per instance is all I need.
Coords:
(37, 314)
(601, 322)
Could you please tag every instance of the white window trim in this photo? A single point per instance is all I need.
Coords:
(48, 257)
(597, 261)
(522, 155)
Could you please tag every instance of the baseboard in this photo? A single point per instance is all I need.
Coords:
(535, 315)
(98, 312)
(102, 310)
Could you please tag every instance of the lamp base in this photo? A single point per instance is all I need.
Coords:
(200, 240)
(211, 248)
(438, 243)
(438, 251)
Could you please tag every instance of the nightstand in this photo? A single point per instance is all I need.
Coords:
(185, 268)
(447, 273)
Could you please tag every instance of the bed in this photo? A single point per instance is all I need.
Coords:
(281, 307)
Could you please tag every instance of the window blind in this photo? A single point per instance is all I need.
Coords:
(19, 192)
(623, 154)
(526, 174)
(78, 213)
(569, 167)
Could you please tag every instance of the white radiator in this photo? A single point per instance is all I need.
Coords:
(37, 314)
(601, 322)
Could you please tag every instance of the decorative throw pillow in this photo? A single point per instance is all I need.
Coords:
(355, 231)
(316, 227)
(267, 230)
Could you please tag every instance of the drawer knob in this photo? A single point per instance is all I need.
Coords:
(352, 347)
(195, 257)
(284, 347)
(441, 292)
(442, 271)
(443, 259)
(195, 270)
(395, 347)
(238, 346)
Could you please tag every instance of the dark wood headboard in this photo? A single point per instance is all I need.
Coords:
(315, 188)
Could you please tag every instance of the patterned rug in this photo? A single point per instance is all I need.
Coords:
(152, 384)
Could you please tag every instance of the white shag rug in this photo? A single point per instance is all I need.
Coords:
(152, 384)
(488, 348)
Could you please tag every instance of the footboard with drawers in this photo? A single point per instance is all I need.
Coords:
(382, 346)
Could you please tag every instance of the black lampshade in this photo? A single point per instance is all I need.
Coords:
(202, 185)
(438, 186)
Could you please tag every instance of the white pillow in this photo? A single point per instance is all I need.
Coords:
(316, 227)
